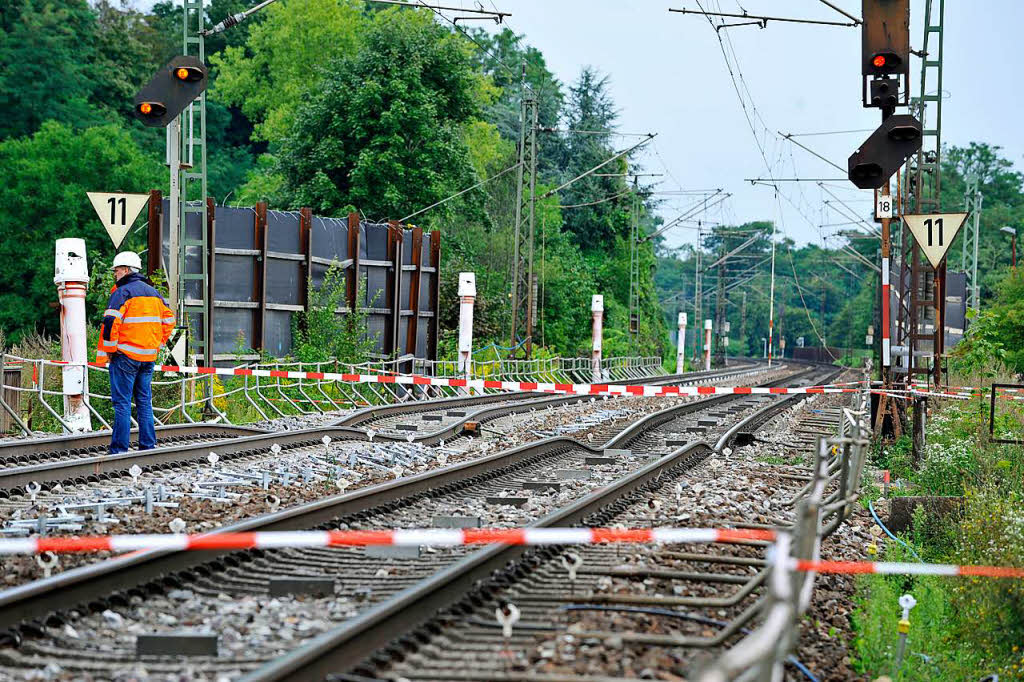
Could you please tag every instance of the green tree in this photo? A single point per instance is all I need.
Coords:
(995, 337)
(48, 51)
(46, 177)
(283, 58)
(386, 130)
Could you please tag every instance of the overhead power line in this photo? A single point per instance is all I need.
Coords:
(596, 168)
(599, 201)
(763, 20)
(459, 194)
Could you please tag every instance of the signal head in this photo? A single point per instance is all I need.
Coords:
(189, 74)
(151, 109)
(886, 63)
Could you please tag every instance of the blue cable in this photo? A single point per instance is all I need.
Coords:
(888, 532)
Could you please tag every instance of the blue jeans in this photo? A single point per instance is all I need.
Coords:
(131, 378)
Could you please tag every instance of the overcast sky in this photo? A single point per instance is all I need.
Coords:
(668, 76)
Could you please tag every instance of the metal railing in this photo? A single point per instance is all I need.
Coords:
(186, 398)
(822, 505)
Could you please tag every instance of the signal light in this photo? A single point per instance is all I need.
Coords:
(172, 89)
(189, 74)
(886, 62)
(151, 109)
(885, 151)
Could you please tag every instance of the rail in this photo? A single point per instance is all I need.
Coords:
(31, 397)
(838, 467)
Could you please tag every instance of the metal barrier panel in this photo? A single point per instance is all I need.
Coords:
(265, 264)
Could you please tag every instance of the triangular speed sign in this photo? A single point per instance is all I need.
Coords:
(117, 212)
(935, 232)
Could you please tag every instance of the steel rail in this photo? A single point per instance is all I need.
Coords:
(352, 642)
(101, 467)
(96, 440)
(95, 581)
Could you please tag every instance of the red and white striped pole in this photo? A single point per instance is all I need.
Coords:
(71, 275)
(886, 341)
(597, 313)
(467, 295)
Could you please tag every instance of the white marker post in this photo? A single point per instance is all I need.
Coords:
(597, 313)
(681, 344)
(71, 275)
(467, 295)
(707, 345)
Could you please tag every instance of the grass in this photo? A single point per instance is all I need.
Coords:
(962, 628)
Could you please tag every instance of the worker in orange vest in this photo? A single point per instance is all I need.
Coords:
(136, 323)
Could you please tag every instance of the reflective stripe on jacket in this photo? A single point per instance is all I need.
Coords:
(136, 322)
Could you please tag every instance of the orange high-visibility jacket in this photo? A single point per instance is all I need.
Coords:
(137, 321)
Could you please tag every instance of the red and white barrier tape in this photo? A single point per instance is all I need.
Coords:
(481, 384)
(414, 537)
(440, 537)
(896, 568)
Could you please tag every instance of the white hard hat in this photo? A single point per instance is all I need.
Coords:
(129, 259)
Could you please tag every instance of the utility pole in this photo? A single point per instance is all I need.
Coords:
(743, 320)
(634, 268)
(697, 302)
(523, 301)
(969, 244)
(193, 280)
(719, 307)
(885, 84)
(771, 302)
(926, 199)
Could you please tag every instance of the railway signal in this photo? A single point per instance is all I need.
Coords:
(882, 154)
(885, 52)
(173, 88)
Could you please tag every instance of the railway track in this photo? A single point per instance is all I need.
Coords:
(19, 452)
(70, 459)
(255, 480)
(473, 587)
(41, 607)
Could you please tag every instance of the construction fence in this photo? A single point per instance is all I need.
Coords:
(260, 267)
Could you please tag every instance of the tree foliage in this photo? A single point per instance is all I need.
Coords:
(385, 131)
(268, 76)
(339, 104)
(46, 177)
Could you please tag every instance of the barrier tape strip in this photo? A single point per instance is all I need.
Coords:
(442, 537)
(414, 537)
(481, 384)
(896, 568)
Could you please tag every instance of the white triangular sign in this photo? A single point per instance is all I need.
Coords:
(935, 232)
(179, 347)
(117, 212)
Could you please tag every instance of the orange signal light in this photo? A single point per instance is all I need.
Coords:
(151, 110)
(879, 61)
(183, 73)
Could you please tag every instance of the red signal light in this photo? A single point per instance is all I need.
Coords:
(879, 61)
